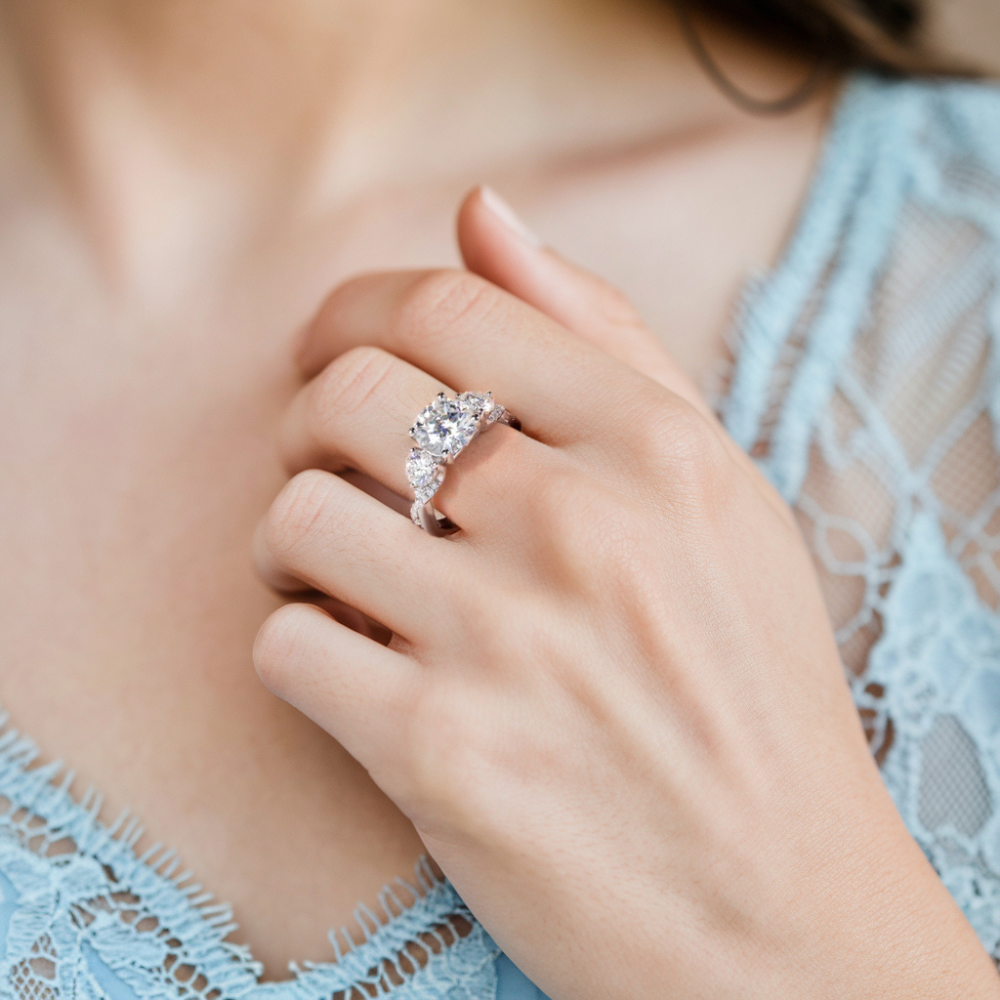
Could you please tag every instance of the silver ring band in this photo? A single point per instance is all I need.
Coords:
(441, 432)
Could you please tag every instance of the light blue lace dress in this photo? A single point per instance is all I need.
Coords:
(866, 383)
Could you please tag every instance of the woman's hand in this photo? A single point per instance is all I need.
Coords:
(612, 706)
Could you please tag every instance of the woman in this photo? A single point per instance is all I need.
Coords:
(612, 709)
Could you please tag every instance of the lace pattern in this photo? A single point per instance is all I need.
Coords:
(867, 387)
(883, 435)
(81, 915)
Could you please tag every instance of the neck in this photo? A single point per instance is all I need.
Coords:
(167, 122)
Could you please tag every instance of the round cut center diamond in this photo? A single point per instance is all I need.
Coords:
(444, 428)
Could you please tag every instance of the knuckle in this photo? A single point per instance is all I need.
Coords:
(293, 516)
(685, 450)
(275, 646)
(589, 531)
(349, 382)
(441, 300)
(699, 466)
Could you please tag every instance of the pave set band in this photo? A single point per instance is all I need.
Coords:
(441, 432)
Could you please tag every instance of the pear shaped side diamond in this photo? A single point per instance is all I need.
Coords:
(479, 404)
(422, 469)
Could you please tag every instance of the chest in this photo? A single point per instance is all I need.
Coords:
(136, 439)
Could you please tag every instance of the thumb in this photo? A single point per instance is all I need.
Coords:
(496, 245)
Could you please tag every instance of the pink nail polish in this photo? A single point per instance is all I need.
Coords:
(508, 216)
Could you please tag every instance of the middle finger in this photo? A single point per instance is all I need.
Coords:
(470, 333)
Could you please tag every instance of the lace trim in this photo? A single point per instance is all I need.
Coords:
(83, 915)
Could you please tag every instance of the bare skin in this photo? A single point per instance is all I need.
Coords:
(180, 186)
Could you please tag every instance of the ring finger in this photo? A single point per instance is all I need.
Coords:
(357, 414)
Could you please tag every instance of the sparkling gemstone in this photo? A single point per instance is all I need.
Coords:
(444, 428)
(477, 403)
(421, 469)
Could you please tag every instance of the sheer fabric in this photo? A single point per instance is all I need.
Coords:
(868, 390)
(866, 385)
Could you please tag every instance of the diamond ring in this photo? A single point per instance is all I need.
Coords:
(441, 432)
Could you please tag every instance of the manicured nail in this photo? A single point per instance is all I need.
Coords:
(508, 216)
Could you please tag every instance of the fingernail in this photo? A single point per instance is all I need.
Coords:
(508, 216)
